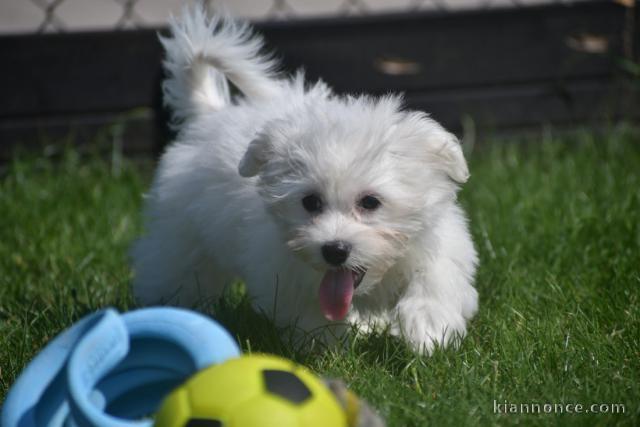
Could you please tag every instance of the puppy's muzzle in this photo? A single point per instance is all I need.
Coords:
(336, 252)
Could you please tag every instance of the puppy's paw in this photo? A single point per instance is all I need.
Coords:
(366, 324)
(427, 325)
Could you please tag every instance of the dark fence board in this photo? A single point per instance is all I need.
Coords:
(573, 103)
(456, 50)
(79, 72)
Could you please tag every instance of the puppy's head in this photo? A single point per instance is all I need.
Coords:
(351, 182)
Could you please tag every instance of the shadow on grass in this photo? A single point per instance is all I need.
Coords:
(256, 332)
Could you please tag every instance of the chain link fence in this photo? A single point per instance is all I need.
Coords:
(20, 16)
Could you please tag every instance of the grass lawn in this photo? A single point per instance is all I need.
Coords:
(556, 223)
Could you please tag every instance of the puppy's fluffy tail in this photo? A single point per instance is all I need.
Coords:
(202, 53)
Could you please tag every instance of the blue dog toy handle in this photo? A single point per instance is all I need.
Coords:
(112, 370)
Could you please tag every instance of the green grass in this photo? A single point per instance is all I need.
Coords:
(556, 223)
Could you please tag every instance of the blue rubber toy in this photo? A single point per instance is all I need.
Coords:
(112, 370)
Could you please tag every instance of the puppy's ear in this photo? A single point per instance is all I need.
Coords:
(446, 147)
(424, 140)
(255, 157)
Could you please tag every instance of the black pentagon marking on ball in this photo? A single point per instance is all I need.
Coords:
(201, 422)
(286, 384)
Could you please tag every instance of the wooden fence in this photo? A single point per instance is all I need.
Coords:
(508, 68)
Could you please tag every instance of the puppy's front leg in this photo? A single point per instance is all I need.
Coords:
(436, 305)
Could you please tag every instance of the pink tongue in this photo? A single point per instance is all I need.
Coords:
(336, 291)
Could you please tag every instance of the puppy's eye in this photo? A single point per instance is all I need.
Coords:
(369, 202)
(312, 203)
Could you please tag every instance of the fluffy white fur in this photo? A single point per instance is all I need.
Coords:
(226, 201)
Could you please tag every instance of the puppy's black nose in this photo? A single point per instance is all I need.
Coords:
(337, 252)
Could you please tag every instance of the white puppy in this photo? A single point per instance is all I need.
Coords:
(327, 207)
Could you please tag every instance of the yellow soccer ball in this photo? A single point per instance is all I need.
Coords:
(252, 391)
